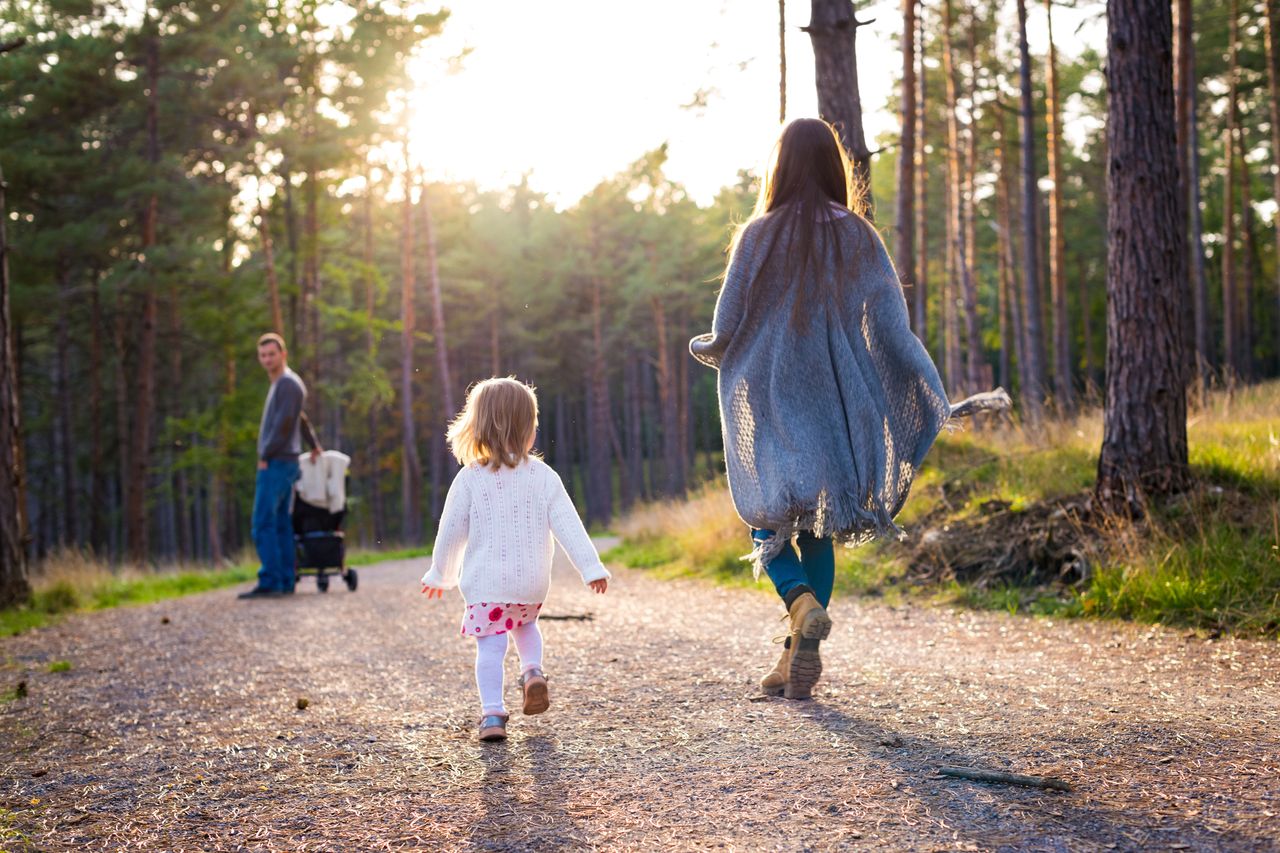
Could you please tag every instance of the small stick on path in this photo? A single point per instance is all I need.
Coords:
(1008, 778)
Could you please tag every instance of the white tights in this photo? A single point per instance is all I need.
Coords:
(490, 652)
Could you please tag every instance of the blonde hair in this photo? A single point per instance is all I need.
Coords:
(496, 424)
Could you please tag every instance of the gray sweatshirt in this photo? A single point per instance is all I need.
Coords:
(280, 433)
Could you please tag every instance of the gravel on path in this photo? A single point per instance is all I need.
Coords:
(178, 727)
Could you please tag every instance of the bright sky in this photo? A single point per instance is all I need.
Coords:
(572, 91)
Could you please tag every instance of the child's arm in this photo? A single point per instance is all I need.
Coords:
(451, 537)
(730, 305)
(567, 528)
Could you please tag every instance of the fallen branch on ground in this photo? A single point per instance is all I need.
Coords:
(1008, 778)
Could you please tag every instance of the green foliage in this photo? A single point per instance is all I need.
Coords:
(59, 666)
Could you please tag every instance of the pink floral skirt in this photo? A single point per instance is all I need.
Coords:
(490, 617)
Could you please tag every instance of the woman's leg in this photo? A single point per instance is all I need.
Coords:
(818, 558)
(490, 651)
(785, 569)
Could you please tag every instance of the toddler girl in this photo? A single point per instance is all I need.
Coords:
(495, 541)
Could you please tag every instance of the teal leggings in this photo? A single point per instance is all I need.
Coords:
(814, 567)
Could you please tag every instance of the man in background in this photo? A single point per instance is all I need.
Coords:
(280, 436)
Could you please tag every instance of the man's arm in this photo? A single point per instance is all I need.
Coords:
(286, 406)
(309, 435)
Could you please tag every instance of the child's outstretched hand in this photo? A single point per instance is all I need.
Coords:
(432, 591)
(599, 586)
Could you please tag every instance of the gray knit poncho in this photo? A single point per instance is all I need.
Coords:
(823, 428)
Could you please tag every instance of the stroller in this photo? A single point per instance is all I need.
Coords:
(319, 508)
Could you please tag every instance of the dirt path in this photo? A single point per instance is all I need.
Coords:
(177, 728)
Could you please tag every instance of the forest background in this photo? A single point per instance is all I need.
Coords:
(184, 177)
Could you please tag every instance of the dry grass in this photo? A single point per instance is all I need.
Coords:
(1210, 558)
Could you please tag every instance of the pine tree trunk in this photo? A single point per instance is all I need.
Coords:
(955, 211)
(1003, 270)
(920, 318)
(1009, 233)
(782, 61)
(1273, 88)
(97, 462)
(437, 310)
(1033, 350)
(1086, 331)
(833, 30)
(410, 464)
(68, 533)
(1230, 293)
(1250, 253)
(1144, 445)
(1062, 386)
(14, 587)
(973, 336)
(144, 390)
(269, 260)
(599, 474)
(371, 349)
(667, 401)
(1189, 159)
(904, 254)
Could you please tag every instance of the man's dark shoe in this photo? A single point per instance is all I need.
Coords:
(261, 592)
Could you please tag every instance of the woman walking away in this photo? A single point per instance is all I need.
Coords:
(828, 402)
(495, 542)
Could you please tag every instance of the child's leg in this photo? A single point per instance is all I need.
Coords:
(528, 640)
(818, 558)
(489, 654)
(784, 570)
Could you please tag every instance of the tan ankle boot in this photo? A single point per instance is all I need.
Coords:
(774, 683)
(810, 625)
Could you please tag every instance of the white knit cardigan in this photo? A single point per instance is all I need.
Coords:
(495, 536)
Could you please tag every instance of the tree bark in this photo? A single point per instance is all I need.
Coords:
(1010, 250)
(1249, 249)
(1062, 385)
(437, 310)
(371, 349)
(905, 232)
(1273, 87)
(410, 464)
(14, 586)
(833, 30)
(667, 402)
(969, 214)
(269, 260)
(97, 462)
(1230, 293)
(1033, 388)
(782, 61)
(1189, 159)
(69, 522)
(1144, 444)
(137, 537)
(957, 266)
(920, 318)
(599, 469)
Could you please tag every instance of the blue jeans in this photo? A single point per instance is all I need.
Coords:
(272, 527)
(814, 567)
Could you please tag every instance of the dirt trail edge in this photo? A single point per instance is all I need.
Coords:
(178, 727)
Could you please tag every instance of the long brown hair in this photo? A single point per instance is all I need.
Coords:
(808, 173)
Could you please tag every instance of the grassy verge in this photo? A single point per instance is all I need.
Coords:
(75, 582)
(1209, 559)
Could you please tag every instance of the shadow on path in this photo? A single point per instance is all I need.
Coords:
(1016, 817)
(523, 798)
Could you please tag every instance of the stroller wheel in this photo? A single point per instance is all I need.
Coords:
(351, 578)
(322, 582)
